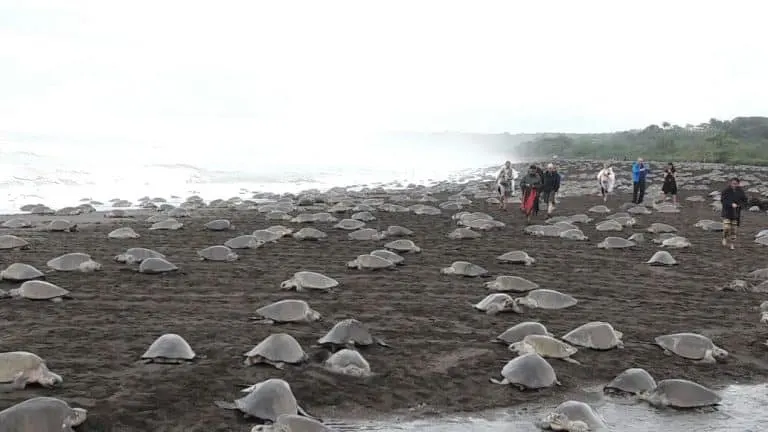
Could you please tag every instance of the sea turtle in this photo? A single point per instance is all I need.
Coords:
(276, 350)
(764, 313)
(389, 256)
(349, 332)
(658, 228)
(639, 210)
(292, 423)
(349, 224)
(22, 368)
(609, 225)
(676, 242)
(123, 233)
(425, 210)
(615, 243)
(573, 416)
(511, 283)
(309, 233)
(17, 223)
(463, 234)
(528, 371)
(464, 268)
(217, 253)
(303, 218)
(61, 225)
(364, 216)
(348, 362)
(496, 303)
(75, 261)
(691, 346)
(370, 262)
(41, 414)
(137, 255)
(637, 238)
(517, 332)
(366, 234)
(597, 335)
(280, 230)
(664, 236)
(573, 234)
(579, 218)
(680, 393)
(545, 346)
(19, 272)
(403, 245)
(662, 258)
(759, 274)
(324, 217)
(516, 257)
(156, 265)
(626, 221)
(266, 400)
(307, 280)
(168, 224)
(8, 241)
(632, 381)
(565, 225)
(599, 209)
(178, 212)
(398, 231)
(547, 299)
(243, 242)
(169, 348)
(285, 311)
(219, 225)
(266, 236)
(277, 215)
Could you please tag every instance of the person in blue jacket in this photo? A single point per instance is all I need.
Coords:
(639, 172)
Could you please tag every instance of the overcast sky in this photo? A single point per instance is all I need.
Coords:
(210, 71)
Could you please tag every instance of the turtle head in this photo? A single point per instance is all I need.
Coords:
(524, 301)
(50, 379)
(719, 353)
(352, 264)
(448, 270)
(89, 266)
(520, 347)
(555, 421)
(578, 426)
(77, 417)
(288, 284)
(313, 315)
(4, 294)
(320, 356)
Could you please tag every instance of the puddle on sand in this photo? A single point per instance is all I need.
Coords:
(742, 410)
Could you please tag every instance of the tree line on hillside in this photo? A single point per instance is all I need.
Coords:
(743, 140)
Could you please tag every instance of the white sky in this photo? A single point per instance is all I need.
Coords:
(194, 72)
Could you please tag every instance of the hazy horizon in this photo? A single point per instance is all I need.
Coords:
(303, 77)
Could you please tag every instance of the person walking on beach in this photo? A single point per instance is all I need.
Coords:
(550, 184)
(606, 178)
(669, 188)
(530, 185)
(505, 184)
(639, 172)
(733, 199)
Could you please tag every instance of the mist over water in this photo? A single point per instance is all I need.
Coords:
(59, 173)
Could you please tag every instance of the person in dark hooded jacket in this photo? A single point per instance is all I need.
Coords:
(733, 199)
(550, 184)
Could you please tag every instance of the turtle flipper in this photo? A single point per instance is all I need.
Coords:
(382, 343)
(225, 405)
(301, 411)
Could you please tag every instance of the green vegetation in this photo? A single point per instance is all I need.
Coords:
(743, 140)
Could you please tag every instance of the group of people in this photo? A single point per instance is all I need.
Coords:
(537, 185)
(542, 185)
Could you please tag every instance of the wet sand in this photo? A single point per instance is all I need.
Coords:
(440, 359)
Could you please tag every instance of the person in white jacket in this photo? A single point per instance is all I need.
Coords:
(505, 183)
(606, 179)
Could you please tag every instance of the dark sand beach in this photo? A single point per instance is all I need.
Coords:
(441, 357)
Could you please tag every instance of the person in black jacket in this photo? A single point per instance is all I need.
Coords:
(733, 200)
(550, 184)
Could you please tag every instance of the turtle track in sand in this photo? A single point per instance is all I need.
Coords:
(95, 339)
